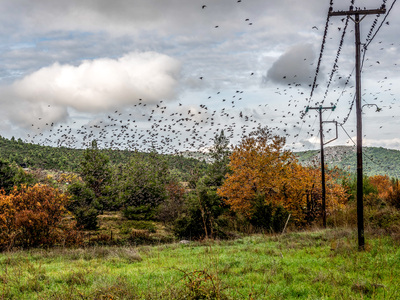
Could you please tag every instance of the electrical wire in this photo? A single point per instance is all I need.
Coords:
(369, 40)
(314, 84)
(380, 25)
(335, 66)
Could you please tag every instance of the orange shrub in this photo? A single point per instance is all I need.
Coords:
(7, 220)
(29, 216)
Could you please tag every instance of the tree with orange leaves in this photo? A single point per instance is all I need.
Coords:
(257, 166)
(383, 184)
(262, 169)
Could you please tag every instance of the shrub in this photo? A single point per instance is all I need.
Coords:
(141, 237)
(203, 217)
(30, 216)
(7, 220)
(200, 284)
(72, 237)
(268, 216)
(86, 217)
(141, 212)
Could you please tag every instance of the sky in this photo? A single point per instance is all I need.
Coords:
(170, 75)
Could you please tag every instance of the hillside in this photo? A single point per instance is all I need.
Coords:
(376, 160)
(68, 159)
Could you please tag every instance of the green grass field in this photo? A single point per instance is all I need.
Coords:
(307, 265)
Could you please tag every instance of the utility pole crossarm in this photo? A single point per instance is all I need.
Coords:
(358, 12)
(320, 107)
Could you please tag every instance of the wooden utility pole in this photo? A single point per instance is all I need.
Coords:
(320, 108)
(356, 13)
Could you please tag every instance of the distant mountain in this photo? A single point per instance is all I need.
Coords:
(376, 160)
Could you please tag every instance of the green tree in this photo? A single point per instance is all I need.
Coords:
(90, 197)
(83, 205)
(142, 185)
(219, 153)
(12, 175)
(351, 186)
(204, 207)
(202, 216)
(96, 172)
(6, 176)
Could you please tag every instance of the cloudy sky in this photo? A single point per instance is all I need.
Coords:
(173, 73)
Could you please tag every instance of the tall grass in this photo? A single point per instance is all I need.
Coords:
(307, 265)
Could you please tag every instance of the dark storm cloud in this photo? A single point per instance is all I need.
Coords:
(296, 66)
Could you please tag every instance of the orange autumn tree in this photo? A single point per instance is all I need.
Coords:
(383, 184)
(260, 167)
(257, 167)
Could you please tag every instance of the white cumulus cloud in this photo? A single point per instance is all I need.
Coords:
(100, 84)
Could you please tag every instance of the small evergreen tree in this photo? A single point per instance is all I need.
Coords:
(142, 185)
(12, 175)
(6, 176)
(84, 206)
(90, 197)
(96, 173)
(204, 207)
(219, 153)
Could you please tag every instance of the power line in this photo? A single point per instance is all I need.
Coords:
(380, 25)
(347, 134)
(369, 40)
(320, 54)
(335, 66)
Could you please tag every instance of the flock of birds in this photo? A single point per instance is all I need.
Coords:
(172, 126)
(164, 127)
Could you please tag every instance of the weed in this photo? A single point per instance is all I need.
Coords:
(288, 277)
(120, 289)
(362, 288)
(79, 277)
(200, 284)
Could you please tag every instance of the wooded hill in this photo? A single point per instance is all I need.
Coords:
(376, 160)
(35, 156)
